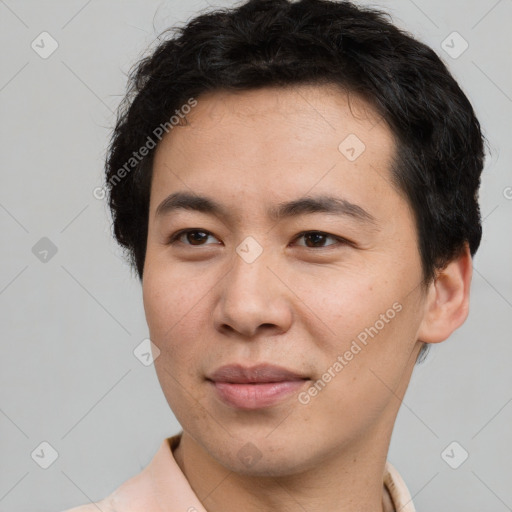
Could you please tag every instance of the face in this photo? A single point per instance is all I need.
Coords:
(281, 322)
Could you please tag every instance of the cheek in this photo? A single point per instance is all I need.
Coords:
(170, 298)
(359, 380)
(376, 341)
(178, 315)
(367, 319)
(342, 301)
(174, 311)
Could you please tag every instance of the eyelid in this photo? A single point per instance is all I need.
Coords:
(174, 237)
(340, 240)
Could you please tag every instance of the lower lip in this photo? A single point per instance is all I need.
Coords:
(256, 396)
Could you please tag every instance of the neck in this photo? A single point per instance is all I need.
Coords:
(350, 480)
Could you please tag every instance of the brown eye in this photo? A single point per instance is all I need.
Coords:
(196, 237)
(316, 239)
(191, 237)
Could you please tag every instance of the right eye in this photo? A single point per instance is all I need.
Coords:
(192, 237)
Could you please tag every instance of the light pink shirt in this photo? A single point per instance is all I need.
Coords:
(162, 487)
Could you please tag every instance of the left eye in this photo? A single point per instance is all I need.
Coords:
(317, 237)
(313, 239)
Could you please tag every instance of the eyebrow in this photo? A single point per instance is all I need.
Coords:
(304, 205)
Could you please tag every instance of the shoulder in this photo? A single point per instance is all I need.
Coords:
(134, 494)
(143, 490)
(126, 498)
(92, 507)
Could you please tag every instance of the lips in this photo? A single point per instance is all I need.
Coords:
(255, 387)
(263, 373)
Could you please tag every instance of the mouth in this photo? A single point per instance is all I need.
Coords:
(255, 387)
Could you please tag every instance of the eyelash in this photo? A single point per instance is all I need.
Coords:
(341, 241)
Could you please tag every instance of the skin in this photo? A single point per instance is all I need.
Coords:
(295, 305)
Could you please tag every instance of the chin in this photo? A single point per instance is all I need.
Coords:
(263, 458)
(267, 466)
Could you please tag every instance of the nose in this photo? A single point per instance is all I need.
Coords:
(253, 299)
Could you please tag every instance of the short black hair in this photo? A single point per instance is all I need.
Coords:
(261, 43)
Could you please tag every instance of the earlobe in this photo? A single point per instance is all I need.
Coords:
(447, 303)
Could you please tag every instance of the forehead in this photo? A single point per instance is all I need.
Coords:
(277, 144)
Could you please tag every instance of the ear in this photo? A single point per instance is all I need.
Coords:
(447, 303)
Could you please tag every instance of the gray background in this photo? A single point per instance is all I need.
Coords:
(70, 324)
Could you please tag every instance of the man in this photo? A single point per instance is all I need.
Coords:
(296, 185)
